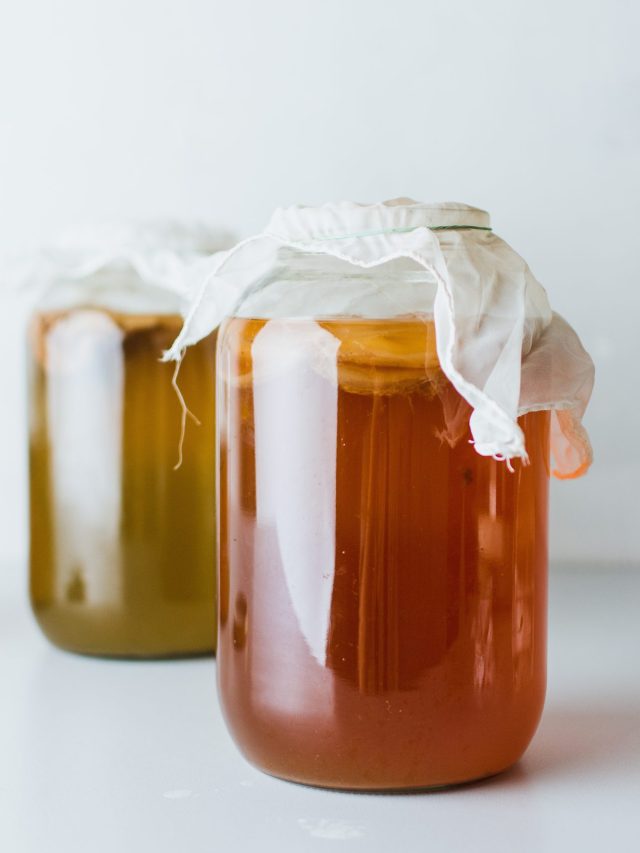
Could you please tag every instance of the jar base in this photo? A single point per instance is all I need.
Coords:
(141, 657)
(387, 790)
(115, 639)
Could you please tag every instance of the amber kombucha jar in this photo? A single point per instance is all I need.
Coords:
(122, 558)
(382, 586)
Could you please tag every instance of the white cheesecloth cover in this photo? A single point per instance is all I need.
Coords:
(498, 341)
(165, 255)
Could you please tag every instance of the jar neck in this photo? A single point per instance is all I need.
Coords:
(314, 284)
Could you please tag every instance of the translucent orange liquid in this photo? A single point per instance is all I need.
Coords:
(382, 586)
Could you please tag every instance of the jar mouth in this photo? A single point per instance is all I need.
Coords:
(352, 220)
(407, 230)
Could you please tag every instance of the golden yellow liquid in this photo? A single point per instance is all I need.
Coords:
(122, 556)
(382, 586)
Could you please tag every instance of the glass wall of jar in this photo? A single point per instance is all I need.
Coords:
(382, 586)
(122, 554)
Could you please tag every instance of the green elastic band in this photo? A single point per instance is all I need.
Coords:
(403, 231)
(458, 227)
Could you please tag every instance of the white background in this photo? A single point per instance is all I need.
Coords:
(222, 111)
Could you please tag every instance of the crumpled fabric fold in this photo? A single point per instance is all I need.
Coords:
(168, 255)
(498, 341)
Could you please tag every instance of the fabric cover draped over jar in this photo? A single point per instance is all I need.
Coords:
(498, 341)
(114, 264)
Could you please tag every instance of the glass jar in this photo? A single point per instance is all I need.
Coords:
(122, 556)
(383, 587)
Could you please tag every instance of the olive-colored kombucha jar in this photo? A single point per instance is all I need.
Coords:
(122, 542)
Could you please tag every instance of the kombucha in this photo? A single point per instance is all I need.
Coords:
(383, 587)
(122, 545)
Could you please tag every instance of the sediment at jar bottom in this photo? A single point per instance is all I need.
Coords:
(122, 553)
(383, 587)
(172, 632)
(397, 761)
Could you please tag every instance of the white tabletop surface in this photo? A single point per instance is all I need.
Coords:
(121, 756)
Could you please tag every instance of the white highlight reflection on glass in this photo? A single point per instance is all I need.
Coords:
(296, 412)
(85, 376)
